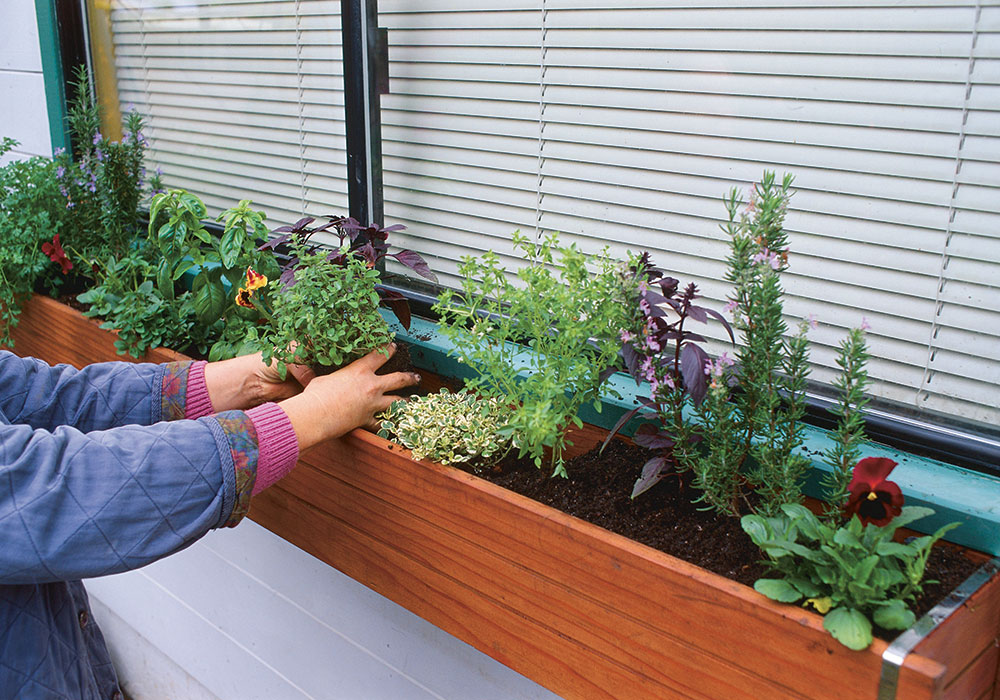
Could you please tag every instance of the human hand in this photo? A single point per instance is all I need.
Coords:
(335, 404)
(244, 382)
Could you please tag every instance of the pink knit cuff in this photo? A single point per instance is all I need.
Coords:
(197, 403)
(276, 442)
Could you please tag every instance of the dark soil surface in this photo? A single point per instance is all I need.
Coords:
(598, 490)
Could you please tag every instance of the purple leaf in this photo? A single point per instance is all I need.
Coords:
(368, 253)
(275, 242)
(385, 293)
(650, 437)
(605, 373)
(653, 298)
(618, 426)
(693, 360)
(394, 227)
(632, 362)
(722, 319)
(325, 227)
(648, 403)
(416, 263)
(337, 258)
(652, 473)
(698, 313)
(693, 337)
(668, 285)
(397, 302)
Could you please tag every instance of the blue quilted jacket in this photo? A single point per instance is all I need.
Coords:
(95, 480)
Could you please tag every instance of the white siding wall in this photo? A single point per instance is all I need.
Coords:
(22, 90)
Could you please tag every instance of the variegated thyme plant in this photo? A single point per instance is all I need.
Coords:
(451, 428)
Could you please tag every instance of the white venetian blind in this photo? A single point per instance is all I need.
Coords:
(244, 99)
(625, 122)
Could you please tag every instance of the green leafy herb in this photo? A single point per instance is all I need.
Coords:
(853, 573)
(329, 316)
(570, 320)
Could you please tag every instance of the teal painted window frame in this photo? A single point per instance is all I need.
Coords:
(956, 494)
(52, 73)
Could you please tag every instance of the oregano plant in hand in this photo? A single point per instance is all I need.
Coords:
(328, 317)
(368, 243)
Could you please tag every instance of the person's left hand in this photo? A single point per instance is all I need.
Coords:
(270, 385)
(244, 382)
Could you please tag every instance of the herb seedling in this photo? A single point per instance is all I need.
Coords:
(570, 321)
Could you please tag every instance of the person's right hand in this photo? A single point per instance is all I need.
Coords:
(335, 404)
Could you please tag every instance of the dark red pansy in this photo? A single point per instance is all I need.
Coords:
(57, 255)
(872, 497)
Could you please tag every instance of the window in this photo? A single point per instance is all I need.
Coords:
(624, 124)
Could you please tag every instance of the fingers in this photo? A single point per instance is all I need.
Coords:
(302, 374)
(398, 380)
(376, 358)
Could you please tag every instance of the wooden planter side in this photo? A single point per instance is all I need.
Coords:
(57, 333)
(578, 609)
(626, 621)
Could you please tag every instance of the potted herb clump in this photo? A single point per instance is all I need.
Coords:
(324, 310)
(570, 321)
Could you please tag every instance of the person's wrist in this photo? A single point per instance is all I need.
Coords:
(234, 383)
(306, 414)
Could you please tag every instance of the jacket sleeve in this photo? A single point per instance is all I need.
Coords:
(100, 396)
(77, 505)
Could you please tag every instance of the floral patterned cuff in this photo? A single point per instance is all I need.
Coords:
(242, 436)
(173, 395)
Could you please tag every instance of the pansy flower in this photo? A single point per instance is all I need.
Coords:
(872, 498)
(255, 281)
(57, 255)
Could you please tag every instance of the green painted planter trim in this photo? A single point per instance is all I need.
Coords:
(52, 73)
(955, 494)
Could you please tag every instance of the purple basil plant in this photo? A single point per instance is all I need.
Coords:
(367, 242)
(663, 352)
